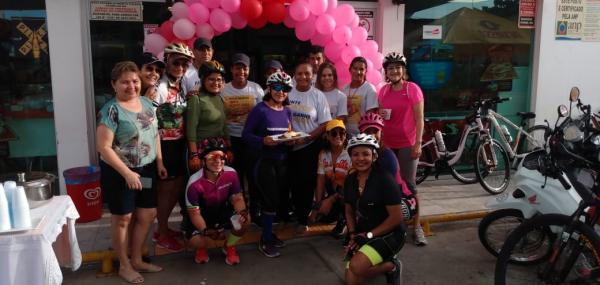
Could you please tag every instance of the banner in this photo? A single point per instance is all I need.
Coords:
(116, 11)
(578, 20)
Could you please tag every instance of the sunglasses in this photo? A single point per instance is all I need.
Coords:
(152, 68)
(216, 156)
(180, 63)
(336, 133)
(280, 87)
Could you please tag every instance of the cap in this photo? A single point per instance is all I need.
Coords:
(200, 42)
(335, 123)
(148, 58)
(240, 58)
(273, 64)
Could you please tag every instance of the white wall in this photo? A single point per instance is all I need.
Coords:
(390, 27)
(559, 65)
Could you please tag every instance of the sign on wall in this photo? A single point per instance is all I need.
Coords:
(432, 32)
(367, 11)
(527, 14)
(578, 20)
(116, 11)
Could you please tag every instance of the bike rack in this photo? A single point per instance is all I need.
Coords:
(451, 217)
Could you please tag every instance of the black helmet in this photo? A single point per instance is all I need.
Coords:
(394, 57)
(211, 67)
(210, 145)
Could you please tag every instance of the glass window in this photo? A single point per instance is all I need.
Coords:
(27, 136)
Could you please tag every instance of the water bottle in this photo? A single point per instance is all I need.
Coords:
(5, 223)
(9, 188)
(21, 212)
(439, 140)
(506, 134)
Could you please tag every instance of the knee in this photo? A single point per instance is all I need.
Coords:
(122, 221)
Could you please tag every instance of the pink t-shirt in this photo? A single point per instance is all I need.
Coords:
(396, 108)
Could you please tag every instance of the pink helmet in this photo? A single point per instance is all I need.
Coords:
(370, 120)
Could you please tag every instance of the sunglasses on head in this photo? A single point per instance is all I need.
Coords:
(335, 133)
(280, 87)
(216, 156)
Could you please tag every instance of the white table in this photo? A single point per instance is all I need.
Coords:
(35, 256)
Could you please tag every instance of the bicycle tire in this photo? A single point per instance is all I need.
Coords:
(540, 134)
(483, 172)
(470, 148)
(585, 234)
(424, 171)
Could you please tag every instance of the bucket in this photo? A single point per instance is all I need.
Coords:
(83, 185)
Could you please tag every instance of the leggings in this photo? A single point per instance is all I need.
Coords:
(303, 165)
(408, 167)
(270, 175)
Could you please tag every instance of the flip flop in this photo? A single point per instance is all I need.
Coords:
(133, 278)
(151, 269)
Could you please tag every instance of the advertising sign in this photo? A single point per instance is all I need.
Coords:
(432, 32)
(578, 20)
(116, 11)
(527, 14)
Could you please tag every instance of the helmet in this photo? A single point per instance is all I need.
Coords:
(364, 140)
(281, 78)
(394, 57)
(370, 120)
(211, 67)
(210, 145)
(178, 48)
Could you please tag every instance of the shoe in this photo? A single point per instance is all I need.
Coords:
(171, 233)
(277, 242)
(419, 237)
(231, 255)
(268, 249)
(169, 243)
(201, 256)
(339, 230)
(395, 276)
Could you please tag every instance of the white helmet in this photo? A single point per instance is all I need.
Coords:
(362, 140)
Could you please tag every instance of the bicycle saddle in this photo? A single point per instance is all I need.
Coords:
(526, 115)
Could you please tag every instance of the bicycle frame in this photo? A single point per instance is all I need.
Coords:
(455, 155)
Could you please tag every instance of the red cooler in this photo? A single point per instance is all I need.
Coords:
(83, 185)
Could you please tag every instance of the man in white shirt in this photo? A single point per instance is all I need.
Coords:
(203, 52)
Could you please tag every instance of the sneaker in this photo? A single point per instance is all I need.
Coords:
(419, 237)
(201, 256)
(268, 249)
(169, 243)
(339, 230)
(395, 276)
(231, 256)
(277, 242)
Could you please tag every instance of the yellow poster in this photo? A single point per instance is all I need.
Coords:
(238, 107)
(354, 107)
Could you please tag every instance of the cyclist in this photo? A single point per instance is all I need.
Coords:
(373, 214)
(362, 97)
(213, 195)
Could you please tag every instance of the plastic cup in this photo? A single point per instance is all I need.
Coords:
(235, 222)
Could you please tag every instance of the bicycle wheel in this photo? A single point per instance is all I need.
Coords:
(573, 263)
(463, 170)
(423, 170)
(494, 176)
(539, 133)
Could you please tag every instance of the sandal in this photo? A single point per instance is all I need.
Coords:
(133, 277)
(149, 268)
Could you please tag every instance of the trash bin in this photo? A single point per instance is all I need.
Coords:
(83, 185)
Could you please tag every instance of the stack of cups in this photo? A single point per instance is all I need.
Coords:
(5, 223)
(20, 208)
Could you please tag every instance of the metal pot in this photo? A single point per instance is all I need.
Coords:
(39, 186)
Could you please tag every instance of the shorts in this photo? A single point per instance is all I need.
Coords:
(122, 200)
(410, 207)
(383, 248)
(215, 219)
(174, 157)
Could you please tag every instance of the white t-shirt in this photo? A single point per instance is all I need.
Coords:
(309, 110)
(360, 100)
(191, 78)
(337, 103)
(238, 104)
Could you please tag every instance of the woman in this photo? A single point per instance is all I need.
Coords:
(129, 146)
(310, 113)
(334, 163)
(401, 103)
(170, 105)
(327, 82)
(373, 214)
(151, 70)
(214, 199)
(270, 118)
(362, 97)
(205, 117)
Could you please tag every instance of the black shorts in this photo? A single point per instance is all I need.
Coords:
(174, 157)
(216, 219)
(385, 247)
(410, 207)
(122, 200)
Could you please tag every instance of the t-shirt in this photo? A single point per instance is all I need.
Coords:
(337, 172)
(205, 117)
(208, 196)
(400, 130)
(238, 104)
(309, 110)
(264, 121)
(380, 191)
(170, 106)
(337, 103)
(360, 100)
(191, 78)
(389, 162)
(134, 133)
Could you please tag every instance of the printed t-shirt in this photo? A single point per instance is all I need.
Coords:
(170, 106)
(337, 103)
(309, 110)
(208, 196)
(400, 130)
(264, 121)
(238, 104)
(334, 172)
(360, 100)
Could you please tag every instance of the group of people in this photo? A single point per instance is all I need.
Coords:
(235, 153)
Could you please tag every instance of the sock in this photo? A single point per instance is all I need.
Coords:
(232, 239)
(267, 233)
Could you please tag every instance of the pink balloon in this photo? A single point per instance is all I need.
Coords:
(377, 60)
(299, 10)
(317, 7)
(220, 20)
(359, 36)
(212, 4)
(343, 73)
(370, 68)
(166, 30)
(237, 21)
(333, 50)
(155, 43)
(199, 13)
(305, 29)
(204, 30)
(319, 39)
(349, 53)
(191, 2)
(325, 24)
(344, 14)
(230, 6)
(289, 21)
(374, 77)
(342, 34)
(179, 10)
(355, 21)
(331, 5)
(371, 46)
(184, 29)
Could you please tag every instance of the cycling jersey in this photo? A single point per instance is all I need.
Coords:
(211, 197)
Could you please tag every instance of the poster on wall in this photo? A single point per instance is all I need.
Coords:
(367, 12)
(578, 20)
(432, 32)
(126, 11)
(149, 29)
(527, 14)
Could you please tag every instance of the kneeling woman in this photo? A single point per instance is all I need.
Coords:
(373, 215)
(210, 212)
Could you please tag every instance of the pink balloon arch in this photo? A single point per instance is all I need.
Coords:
(323, 22)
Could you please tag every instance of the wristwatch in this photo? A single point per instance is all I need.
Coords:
(369, 235)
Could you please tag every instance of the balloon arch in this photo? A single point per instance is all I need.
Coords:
(323, 22)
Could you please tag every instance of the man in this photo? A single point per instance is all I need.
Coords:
(271, 67)
(316, 58)
(203, 52)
